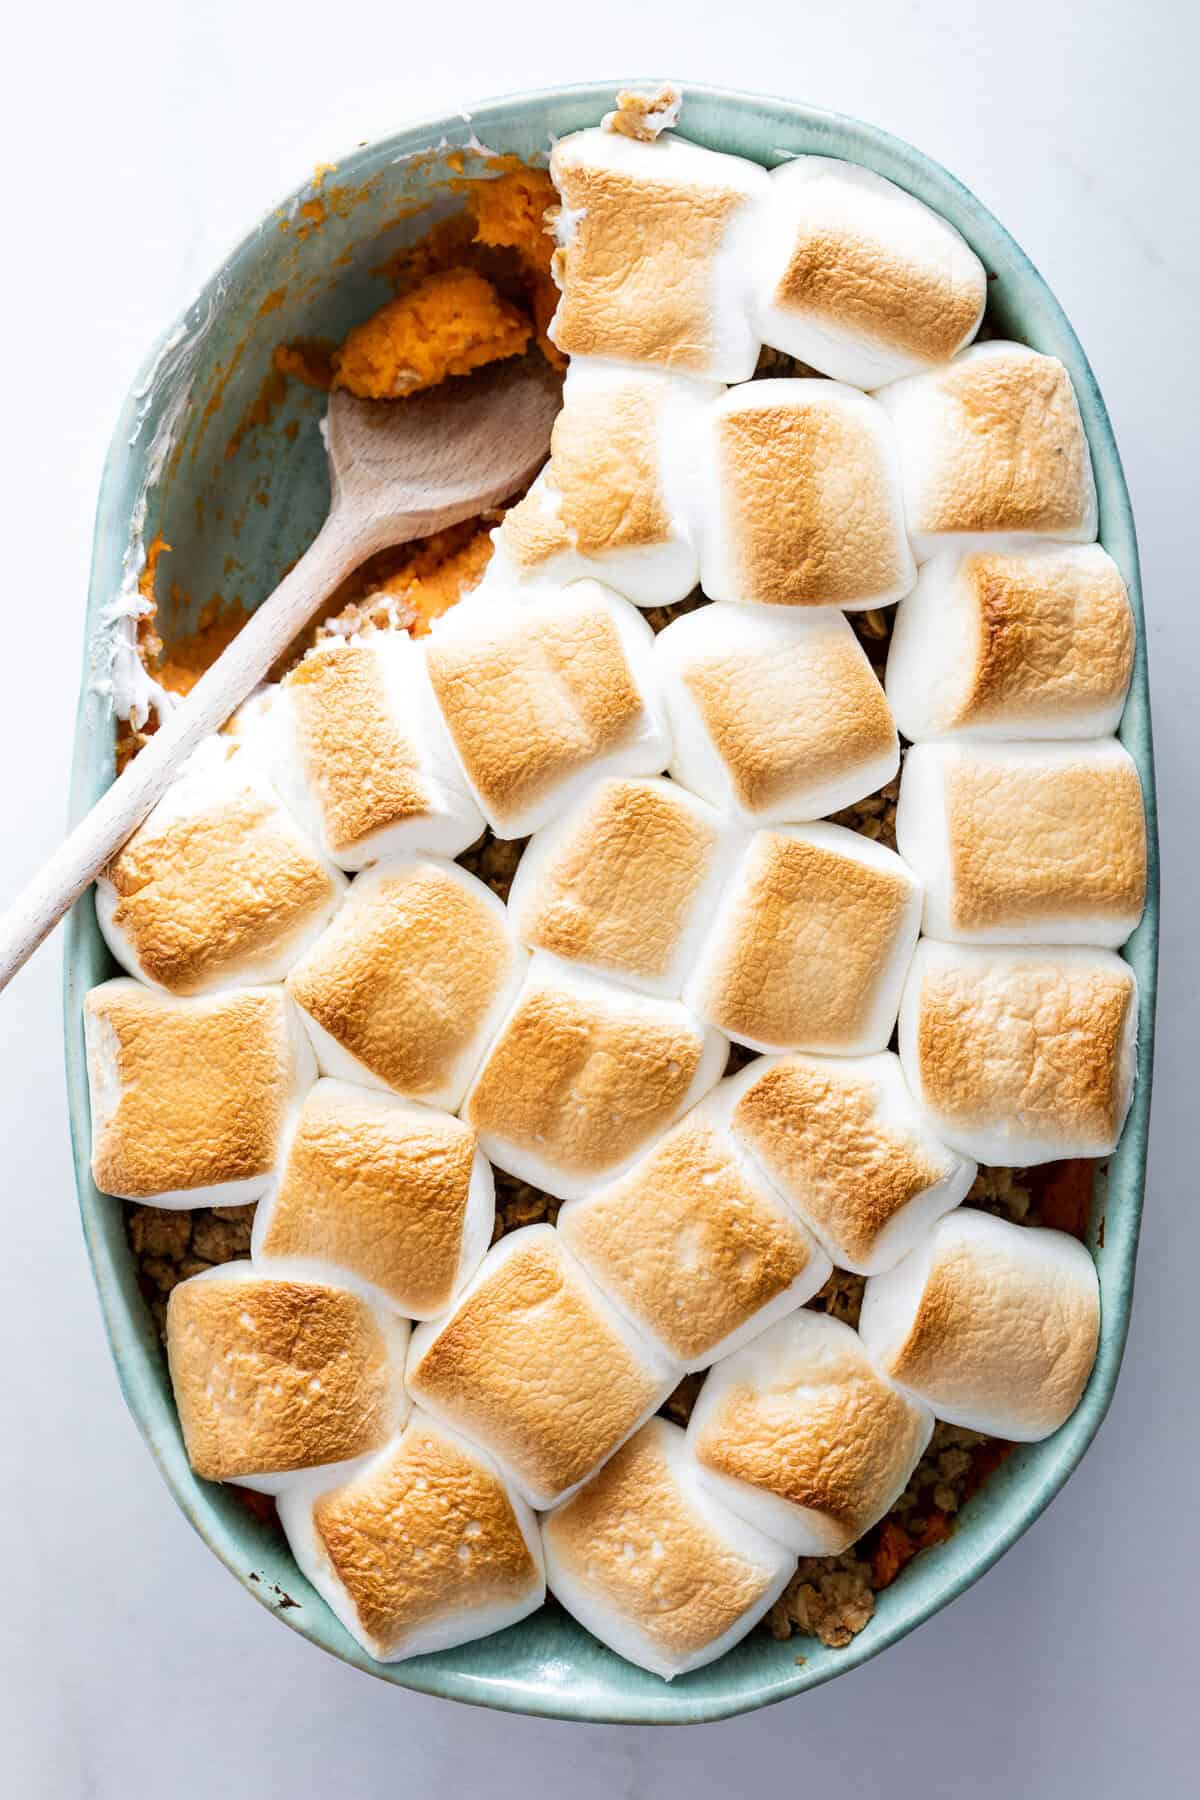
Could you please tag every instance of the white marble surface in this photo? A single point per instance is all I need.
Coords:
(137, 139)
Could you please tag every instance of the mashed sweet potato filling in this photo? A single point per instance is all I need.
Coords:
(450, 324)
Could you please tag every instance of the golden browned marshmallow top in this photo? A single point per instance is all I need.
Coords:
(647, 263)
(405, 978)
(426, 1529)
(872, 265)
(218, 883)
(273, 1375)
(811, 935)
(994, 443)
(635, 1538)
(379, 1188)
(1040, 1039)
(816, 1127)
(532, 1365)
(583, 1072)
(809, 492)
(366, 771)
(1043, 831)
(800, 711)
(187, 1094)
(602, 489)
(535, 696)
(851, 280)
(1055, 630)
(689, 1242)
(803, 1415)
(621, 878)
(995, 1325)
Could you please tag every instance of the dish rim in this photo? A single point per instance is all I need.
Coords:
(623, 1698)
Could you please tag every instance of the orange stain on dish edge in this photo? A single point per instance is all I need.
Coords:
(270, 396)
(213, 404)
(309, 360)
(219, 623)
(503, 219)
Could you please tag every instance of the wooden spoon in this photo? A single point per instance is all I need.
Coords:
(398, 469)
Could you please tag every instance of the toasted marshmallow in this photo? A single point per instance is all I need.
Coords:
(694, 1245)
(220, 886)
(654, 243)
(357, 747)
(583, 1075)
(613, 502)
(1025, 843)
(626, 882)
(993, 1325)
(535, 1364)
(645, 116)
(407, 985)
(542, 698)
(382, 1191)
(800, 1434)
(1020, 1056)
(278, 1372)
(1037, 644)
(801, 499)
(859, 279)
(775, 715)
(993, 452)
(811, 943)
(652, 1564)
(191, 1098)
(843, 1142)
(423, 1548)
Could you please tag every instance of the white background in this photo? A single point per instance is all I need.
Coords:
(138, 139)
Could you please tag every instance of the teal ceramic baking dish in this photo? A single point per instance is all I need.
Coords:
(238, 489)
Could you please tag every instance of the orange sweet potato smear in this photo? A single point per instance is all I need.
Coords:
(510, 214)
(897, 1546)
(450, 323)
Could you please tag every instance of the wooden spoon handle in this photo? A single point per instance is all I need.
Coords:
(344, 541)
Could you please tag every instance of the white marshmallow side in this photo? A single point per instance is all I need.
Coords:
(993, 1325)
(619, 884)
(506, 633)
(656, 1560)
(776, 715)
(807, 1391)
(1034, 645)
(864, 1099)
(1020, 1056)
(1025, 843)
(464, 1620)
